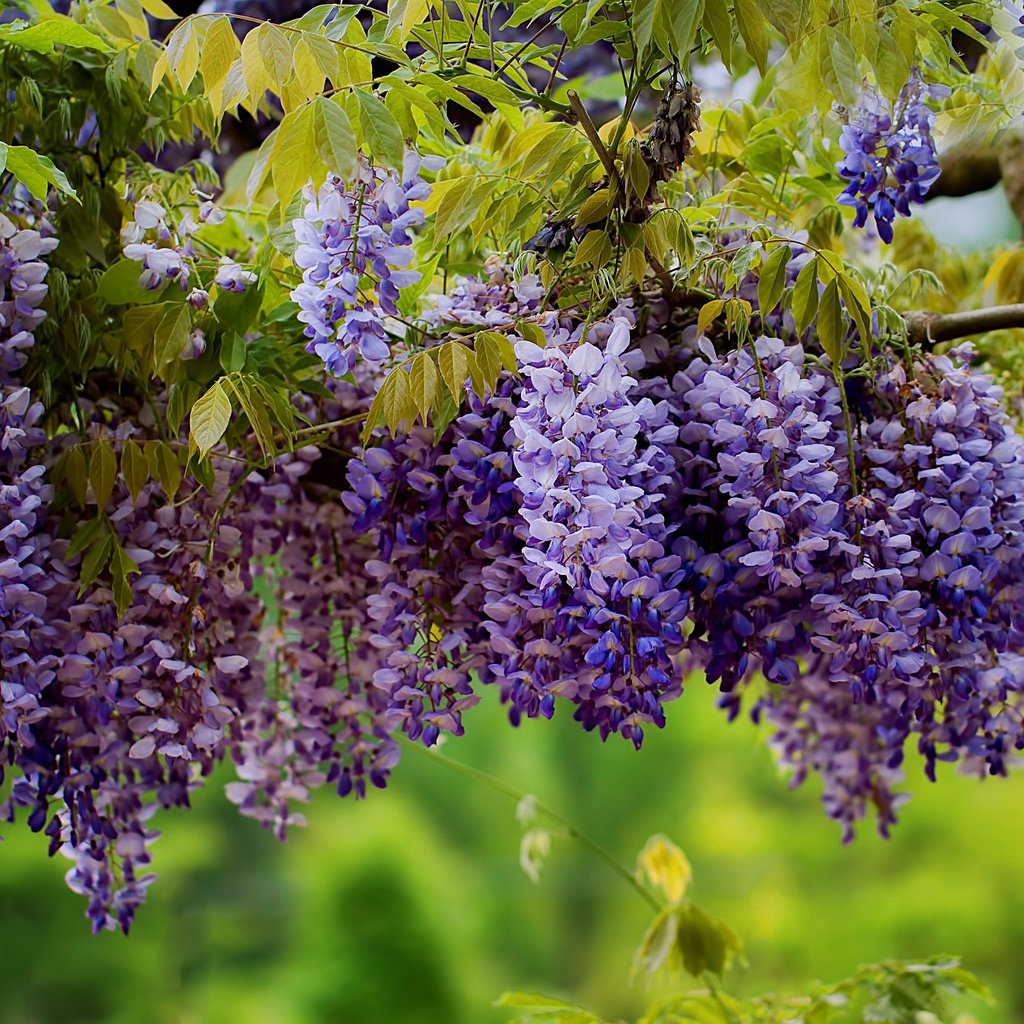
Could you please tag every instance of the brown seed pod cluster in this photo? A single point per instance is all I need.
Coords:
(670, 139)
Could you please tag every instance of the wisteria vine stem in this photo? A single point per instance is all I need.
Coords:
(571, 830)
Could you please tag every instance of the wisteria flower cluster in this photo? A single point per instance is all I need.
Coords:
(166, 250)
(628, 507)
(884, 605)
(889, 157)
(354, 239)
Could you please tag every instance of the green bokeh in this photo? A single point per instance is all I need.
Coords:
(410, 907)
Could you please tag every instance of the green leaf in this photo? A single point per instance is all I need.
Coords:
(445, 410)
(76, 473)
(122, 565)
(709, 312)
(706, 943)
(296, 156)
(772, 282)
(424, 384)
(491, 90)
(832, 324)
(718, 25)
(392, 405)
(529, 10)
(102, 471)
(220, 49)
(232, 352)
(262, 164)
(753, 28)
(84, 536)
(335, 140)
(401, 99)
(680, 19)
(596, 207)
(95, 561)
(134, 468)
(120, 286)
(164, 465)
(56, 29)
(171, 335)
(35, 172)
(594, 249)
(209, 419)
(453, 362)
(380, 129)
(805, 296)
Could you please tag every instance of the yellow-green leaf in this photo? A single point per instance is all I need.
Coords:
(183, 53)
(209, 419)
(220, 48)
(296, 157)
(453, 362)
(159, 10)
(308, 72)
(595, 249)
(257, 79)
(392, 405)
(753, 26)
(596, 207)
(424, 384)
(275, 53)
(708, 314)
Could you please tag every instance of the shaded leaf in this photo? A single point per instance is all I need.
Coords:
(102, 472)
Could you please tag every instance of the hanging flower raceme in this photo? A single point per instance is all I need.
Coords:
(889, 159)
(595, 614)
(353, 241)
(896, 595)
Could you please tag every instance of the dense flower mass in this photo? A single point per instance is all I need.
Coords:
(631, 505)
(890, 159)
(883, 604)
(352, 238)
(596, 615)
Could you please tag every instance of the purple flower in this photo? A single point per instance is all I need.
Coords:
(353, 242)
(890, 159)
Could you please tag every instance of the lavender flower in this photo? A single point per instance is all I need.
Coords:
(351, 239)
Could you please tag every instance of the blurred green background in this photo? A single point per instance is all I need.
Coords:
(410, 907)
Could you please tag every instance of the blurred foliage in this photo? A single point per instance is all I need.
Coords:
(414, 909)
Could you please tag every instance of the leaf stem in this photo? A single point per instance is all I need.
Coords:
(552, 815)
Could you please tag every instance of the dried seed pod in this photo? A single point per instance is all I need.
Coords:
(670, 139)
